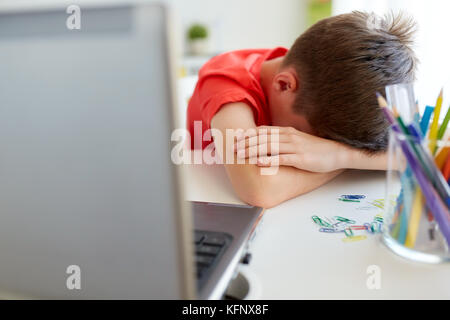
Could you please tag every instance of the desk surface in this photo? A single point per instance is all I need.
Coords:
(292, 260)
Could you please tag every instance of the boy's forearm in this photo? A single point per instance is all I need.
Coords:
(351, 158)
(270, 190)
(291, 182)
(247, 179)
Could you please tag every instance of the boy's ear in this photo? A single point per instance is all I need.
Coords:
(286, 81)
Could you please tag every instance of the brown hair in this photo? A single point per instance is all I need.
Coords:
(342, 61)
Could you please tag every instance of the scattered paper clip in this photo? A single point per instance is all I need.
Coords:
(378, 219)
(330, 230)
(320, 222)
(374, 227)
(358, 227)
(353, 196)
(379, 203)
(317, 220)
(348, 200)
(342, 219)
(348, 232)
(354, 238)
(339, 224)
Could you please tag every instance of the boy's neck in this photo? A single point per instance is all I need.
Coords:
(269, 69)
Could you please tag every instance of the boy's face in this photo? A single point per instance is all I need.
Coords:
(281, 98)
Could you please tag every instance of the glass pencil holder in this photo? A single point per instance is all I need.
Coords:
(410, 229)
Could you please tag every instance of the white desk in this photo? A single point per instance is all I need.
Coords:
(292, 260)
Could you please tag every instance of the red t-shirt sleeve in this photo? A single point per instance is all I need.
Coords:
(217, 91)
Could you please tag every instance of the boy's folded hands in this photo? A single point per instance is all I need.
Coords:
(286, 146)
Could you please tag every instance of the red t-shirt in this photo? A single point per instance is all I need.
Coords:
(226, 78)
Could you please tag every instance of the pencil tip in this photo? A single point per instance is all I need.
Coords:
(395, 111)
(442, 92)
(381, 101)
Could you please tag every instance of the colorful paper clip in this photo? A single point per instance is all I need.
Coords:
(352, 196)
(375, 227)
(358, 227)
(379, 203)
(330, 230)
(348, 232)
(342, 219)
(320, 222)
(378, 219)
(348, 200)
(340, 225)
(354, 238)
(317, 220)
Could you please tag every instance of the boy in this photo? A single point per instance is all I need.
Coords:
(319, 96)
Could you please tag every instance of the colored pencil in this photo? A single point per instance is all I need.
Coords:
(436, 177)
(446, 169)
(400, 230)
(414, 221)
(407, 133)
(434, 126)
(434, 202)
(444, 124)
(425, 160)
(425, 121)
(441, 156)
(384, 107)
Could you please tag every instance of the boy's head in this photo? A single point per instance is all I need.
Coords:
(337, 65)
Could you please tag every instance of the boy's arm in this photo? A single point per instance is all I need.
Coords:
(304, 151)
(358, 159)
(251, 186)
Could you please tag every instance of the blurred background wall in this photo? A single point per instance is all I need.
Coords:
(238, 24)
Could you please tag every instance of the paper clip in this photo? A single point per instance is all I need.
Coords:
(358, 227)
(342, 219)
(348, 200)
(353, 196)
(377, 225)
(378, 219)
(348, 232)
(329, 230)
(327, 223)
(379, 203)
(354, 238)
(317, 220)
(340, 225)
(320, 222)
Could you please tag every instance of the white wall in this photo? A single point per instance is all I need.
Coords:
(237, 24)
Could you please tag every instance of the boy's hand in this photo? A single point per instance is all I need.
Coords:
(247, 179)
(295, 148)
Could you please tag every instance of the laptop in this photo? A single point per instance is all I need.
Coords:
(91, 205)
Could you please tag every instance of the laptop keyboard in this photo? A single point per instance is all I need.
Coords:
(209, 248)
